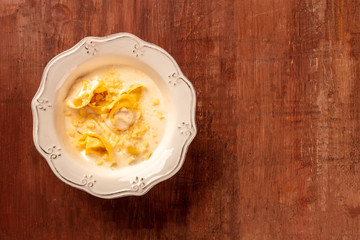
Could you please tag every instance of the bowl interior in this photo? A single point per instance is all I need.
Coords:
(159, 155)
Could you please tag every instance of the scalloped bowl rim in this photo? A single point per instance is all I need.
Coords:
(137, 50)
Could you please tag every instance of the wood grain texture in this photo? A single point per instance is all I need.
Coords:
(277, 152)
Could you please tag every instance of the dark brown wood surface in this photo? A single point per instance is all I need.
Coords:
(277, 152)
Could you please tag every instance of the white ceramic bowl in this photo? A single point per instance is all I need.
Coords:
(93, 52)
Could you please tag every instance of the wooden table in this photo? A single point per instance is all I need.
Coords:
(277, 152)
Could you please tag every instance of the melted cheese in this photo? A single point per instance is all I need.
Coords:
(112, 116)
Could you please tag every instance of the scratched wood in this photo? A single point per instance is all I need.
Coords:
(277, 152)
